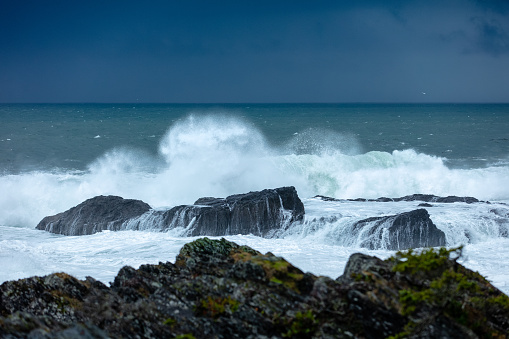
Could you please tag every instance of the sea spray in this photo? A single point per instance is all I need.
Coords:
(376, 174)
(53, 162)
(332, 222)
(322, 141)
(219, 155)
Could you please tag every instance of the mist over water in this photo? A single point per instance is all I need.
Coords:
(222, 154)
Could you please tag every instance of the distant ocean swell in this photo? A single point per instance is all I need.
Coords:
(223, 155)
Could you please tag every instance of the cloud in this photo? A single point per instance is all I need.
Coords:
(200, 51)
(492, 37)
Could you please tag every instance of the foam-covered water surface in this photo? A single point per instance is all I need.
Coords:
(53, 157)
(462, 223)
(26, 252)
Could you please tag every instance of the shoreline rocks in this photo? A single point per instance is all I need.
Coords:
(412, 229)
(94, 215)
(260, 213)
(268, 213)
(414, 197)
(218, 289)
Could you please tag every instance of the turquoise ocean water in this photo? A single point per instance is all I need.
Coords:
(53, 157)
(71, 136)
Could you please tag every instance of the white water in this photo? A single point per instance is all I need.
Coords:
(214, 156)
(462, 223)
(26, 252)
(220, 156)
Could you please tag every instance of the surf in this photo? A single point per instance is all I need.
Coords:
(220, 155)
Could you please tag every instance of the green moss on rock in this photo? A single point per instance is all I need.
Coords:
(218, 289)
(442, 286)
(215, 307)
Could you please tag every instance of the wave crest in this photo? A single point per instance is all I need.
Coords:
(220, 155)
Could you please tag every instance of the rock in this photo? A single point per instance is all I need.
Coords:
(430, 292)
(259, 213)
(218, 289)
(413, 197)
(324, 198)
(262, 213)
(412, 229)
(434, 198)
(94, 215)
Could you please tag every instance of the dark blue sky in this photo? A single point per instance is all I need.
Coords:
(254, 51)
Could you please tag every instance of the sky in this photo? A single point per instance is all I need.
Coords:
(254, 51)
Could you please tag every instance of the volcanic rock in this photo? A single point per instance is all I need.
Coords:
(434, 198)
(262, 213)
(402, 231)
(413, 197)
(218, 289)
(94, 215)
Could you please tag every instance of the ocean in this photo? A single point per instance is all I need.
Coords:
(54, 156)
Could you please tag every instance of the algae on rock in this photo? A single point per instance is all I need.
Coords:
(218, 289)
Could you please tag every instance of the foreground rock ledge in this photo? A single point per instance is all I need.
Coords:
(218, 289)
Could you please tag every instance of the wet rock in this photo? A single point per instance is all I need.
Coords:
(430, 292)
(260, 213)
(263, 213)
(412, 229)
(94, 215)
(218, 289)
(434, 198)
(413, 197)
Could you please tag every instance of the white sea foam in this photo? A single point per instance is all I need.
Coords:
(219, 155)
(25, 252)
(376, 174)
(330, 222)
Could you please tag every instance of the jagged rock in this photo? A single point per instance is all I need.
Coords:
(94, 215)
(434, 295)
(413, 197)
(434, 198)
(260, 213)
(402, 231)
(218, 289)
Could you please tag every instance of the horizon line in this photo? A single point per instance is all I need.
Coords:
(258, 103)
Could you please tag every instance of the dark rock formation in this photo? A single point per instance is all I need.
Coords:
(260, 213)
(413, 197)
(402, 231)
(434, 198)
(217, 289)
(94, 215)
(424, 204)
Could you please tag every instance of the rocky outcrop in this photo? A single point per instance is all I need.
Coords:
(434, 198)
(412, 229)
(218, 289)
(94, 215)
(413, 197)
(260, 213)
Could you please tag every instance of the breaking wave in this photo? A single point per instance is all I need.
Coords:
(220, 155)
